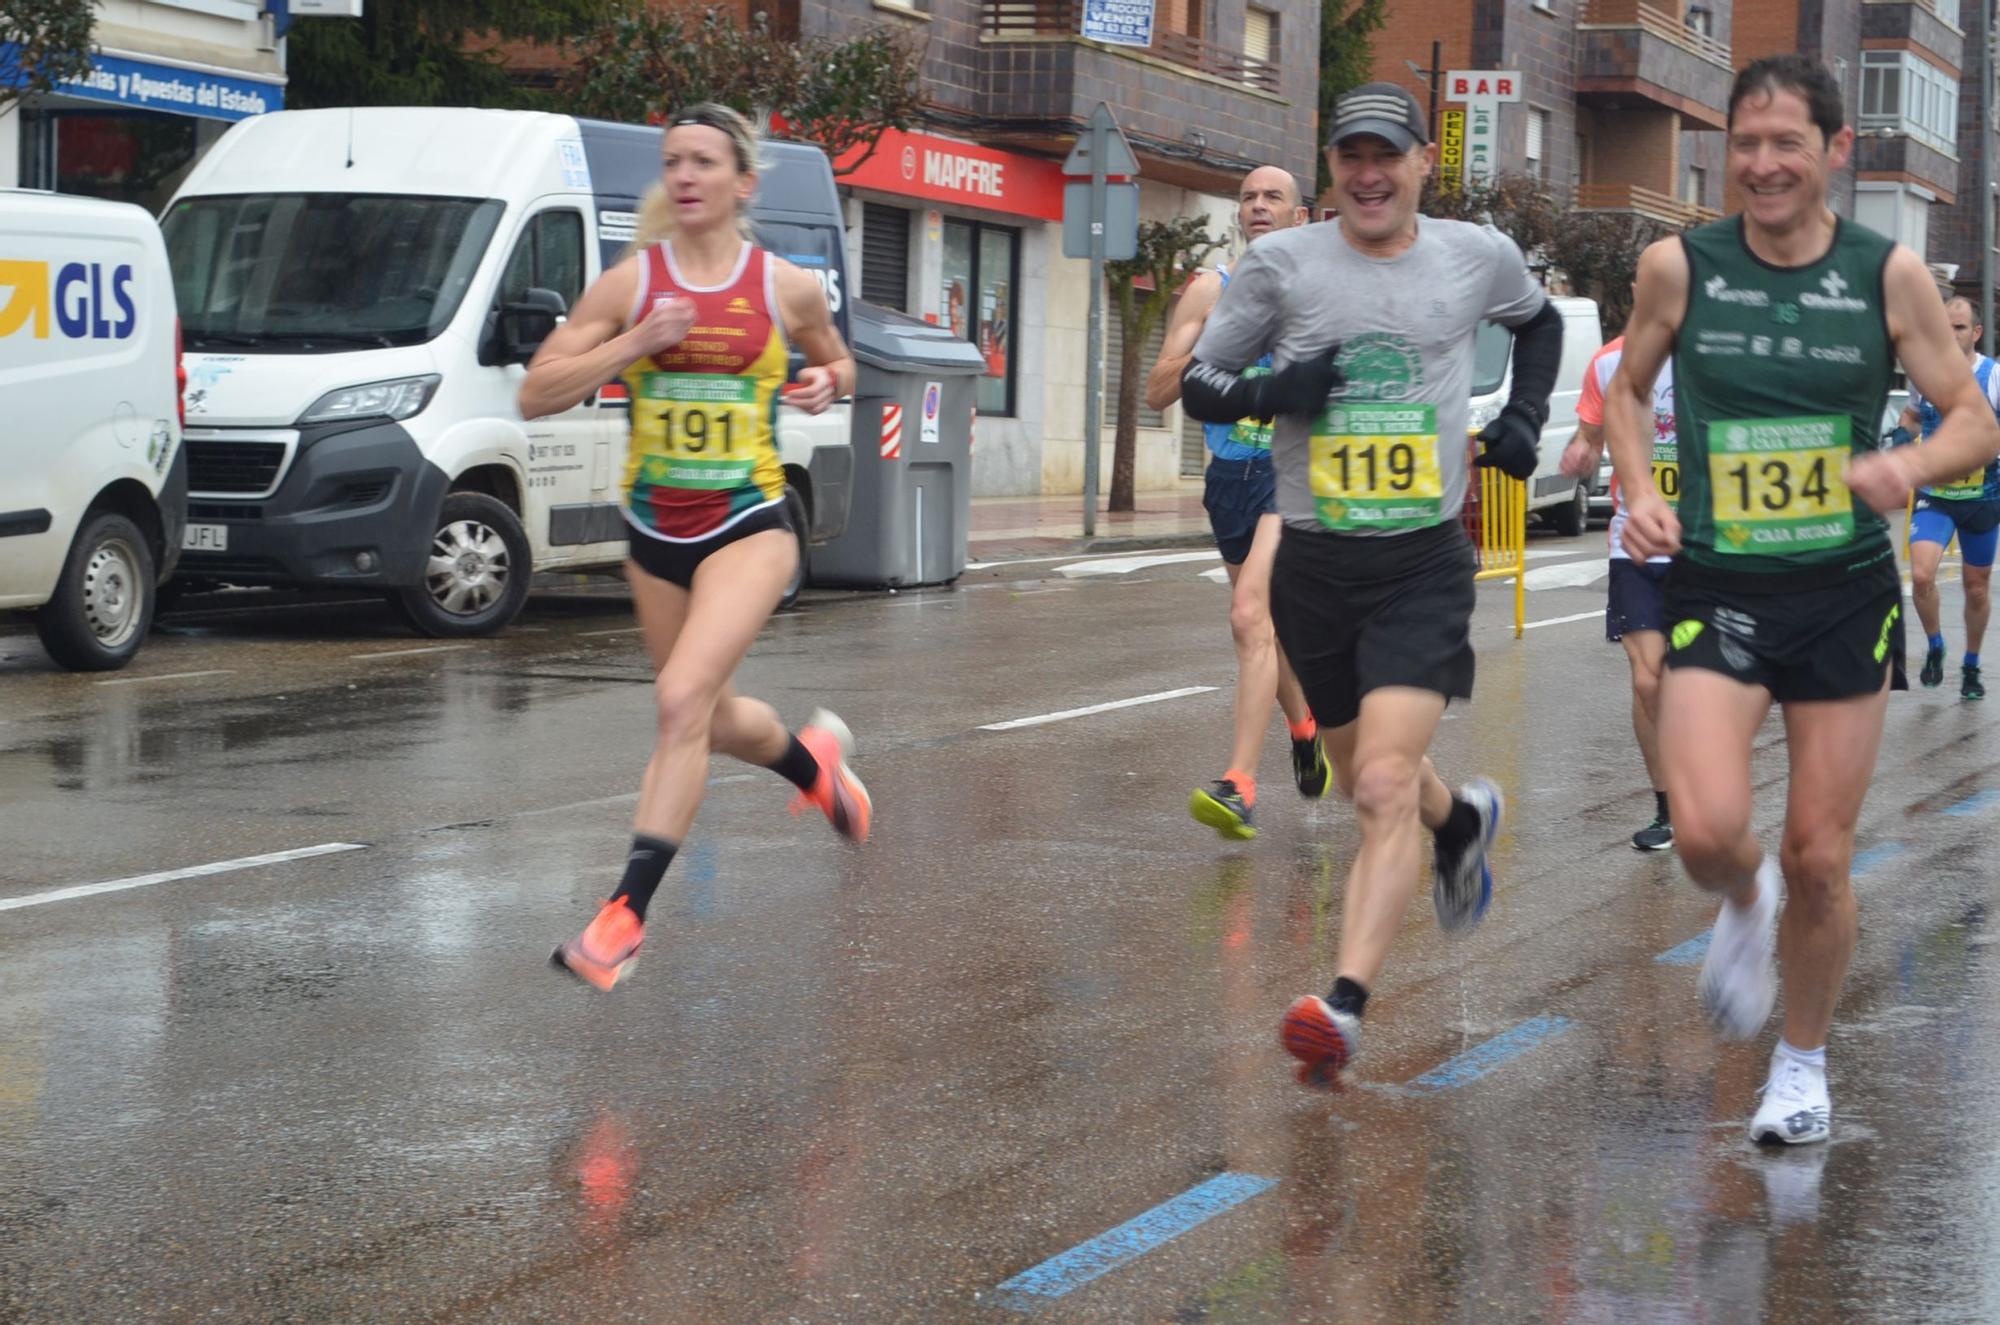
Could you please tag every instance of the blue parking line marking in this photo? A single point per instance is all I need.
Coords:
(1975, 804)
(1479, 1060)
(1878, 854)
(1130, 1240)
(1689, 953)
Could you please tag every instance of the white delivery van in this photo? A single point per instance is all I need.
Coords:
(93, 482)
(1564, 502)
(361, 292)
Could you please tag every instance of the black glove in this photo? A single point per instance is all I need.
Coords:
(1512, 441)
(1301, 387)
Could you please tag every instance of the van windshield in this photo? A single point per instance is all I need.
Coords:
(322, 273)
(1491, 349)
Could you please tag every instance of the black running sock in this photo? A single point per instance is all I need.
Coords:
(1348, 997)
(644, 869)
(1460, 828)
(797, 765)
(1660, 807)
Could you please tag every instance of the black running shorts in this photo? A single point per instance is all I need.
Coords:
(1356, 613)
(1836, 640)
(676, 563)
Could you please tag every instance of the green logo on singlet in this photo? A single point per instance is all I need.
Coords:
(1786, 315)
(1381, 365)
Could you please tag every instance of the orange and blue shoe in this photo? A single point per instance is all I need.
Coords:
(607, 947)
(838, 793)
(1321, 1037)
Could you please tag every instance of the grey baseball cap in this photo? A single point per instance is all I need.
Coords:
(1382, 110)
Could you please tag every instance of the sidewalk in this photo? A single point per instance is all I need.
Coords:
(1006, 528)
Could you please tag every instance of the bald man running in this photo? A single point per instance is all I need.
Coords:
(1240, 497)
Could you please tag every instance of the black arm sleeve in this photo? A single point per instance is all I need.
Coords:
(1538, 348)
(1216, 395)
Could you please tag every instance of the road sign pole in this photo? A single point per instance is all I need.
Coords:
(1093, 396)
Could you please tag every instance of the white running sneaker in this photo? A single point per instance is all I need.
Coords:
(1739, 979)
(1796, 1108)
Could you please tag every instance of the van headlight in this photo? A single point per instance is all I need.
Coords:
(396, 399)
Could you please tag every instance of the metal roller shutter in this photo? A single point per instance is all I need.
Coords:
(885, 256)
(1114, 341)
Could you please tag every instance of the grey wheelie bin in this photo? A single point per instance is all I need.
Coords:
(912, 504)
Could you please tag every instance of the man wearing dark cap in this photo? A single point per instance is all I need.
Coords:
(1370, 325)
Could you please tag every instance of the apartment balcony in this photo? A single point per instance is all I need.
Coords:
(1032, 20)
(1920, 24)
(1632, 52)
(1649, 203)
(1196, 110)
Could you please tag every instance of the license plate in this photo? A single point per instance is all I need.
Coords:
(205, 538)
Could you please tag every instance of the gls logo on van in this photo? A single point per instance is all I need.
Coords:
(77, 297)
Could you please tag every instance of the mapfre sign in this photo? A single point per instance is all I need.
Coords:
(1482, 85)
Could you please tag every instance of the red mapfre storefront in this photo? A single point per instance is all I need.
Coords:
(933, 169)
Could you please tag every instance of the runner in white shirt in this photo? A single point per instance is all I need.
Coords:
(1636, 615)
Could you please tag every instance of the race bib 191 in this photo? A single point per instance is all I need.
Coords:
(706, 419)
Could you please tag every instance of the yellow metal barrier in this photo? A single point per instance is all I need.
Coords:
(1501, 536)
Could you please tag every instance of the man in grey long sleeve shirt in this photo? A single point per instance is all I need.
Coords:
(1372, 593)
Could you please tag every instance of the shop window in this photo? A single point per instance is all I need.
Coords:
(980, 296)
(127, 156)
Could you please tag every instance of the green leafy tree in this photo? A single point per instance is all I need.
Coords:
(43, 43)
(1346, 55)
(415, 52)
(1168, 252)
(840, 94)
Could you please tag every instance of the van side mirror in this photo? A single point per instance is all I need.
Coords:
(526, 324)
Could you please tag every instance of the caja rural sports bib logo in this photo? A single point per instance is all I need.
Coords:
(82, 300)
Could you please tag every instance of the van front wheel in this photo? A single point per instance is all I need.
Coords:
(475, 576)
(1570, 517)
(103, 604)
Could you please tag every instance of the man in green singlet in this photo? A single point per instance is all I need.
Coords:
(1784, 323)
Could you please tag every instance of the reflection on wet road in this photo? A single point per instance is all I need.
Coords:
(1016, 1055)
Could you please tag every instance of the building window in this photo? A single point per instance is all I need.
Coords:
(1947, 10)
(1907, 94)
(1182, 16)
(1700, 20)
(1694, 185)
(981, 281)
(1538, 137)
(1260, 40)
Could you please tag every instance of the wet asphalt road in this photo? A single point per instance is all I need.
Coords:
(878, 1084)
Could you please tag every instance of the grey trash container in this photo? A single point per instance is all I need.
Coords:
(912, 499)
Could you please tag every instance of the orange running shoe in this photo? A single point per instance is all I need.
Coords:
(837, 792)
(1321, 1037)
(605, 949)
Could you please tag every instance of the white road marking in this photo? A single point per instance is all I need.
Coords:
(1220, 574)
(1040, 561)
(407, 653)
(1126, 565)
(169, 876)
(1570, 575)
(164, 676)
(1041, 718)
(1598, 615)
(1538, 553)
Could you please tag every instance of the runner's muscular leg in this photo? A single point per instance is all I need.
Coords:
(1646, 651)
(1833, 745)
(1389, 774)
(1924, 558)
(1707, 725)
(1433, 797)
(1978, 605)
(735, 590)
(1261, 669)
